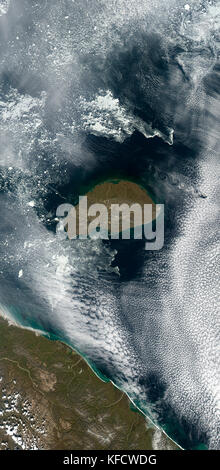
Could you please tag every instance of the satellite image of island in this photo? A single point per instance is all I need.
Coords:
(109, 225)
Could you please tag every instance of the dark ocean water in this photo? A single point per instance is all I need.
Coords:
(95, 90)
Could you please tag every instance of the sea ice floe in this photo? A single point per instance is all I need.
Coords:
(4, 6)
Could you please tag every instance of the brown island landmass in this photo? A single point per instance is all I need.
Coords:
(109, 193)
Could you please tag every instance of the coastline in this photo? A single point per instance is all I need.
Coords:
(134, 409)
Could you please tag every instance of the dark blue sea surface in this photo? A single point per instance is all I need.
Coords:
(94, 90)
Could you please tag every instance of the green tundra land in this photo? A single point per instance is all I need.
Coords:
(51, 399)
